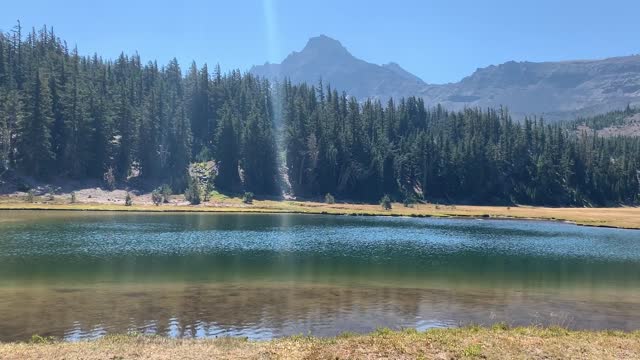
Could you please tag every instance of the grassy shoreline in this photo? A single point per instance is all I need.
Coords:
(497, 342)
(621, 217)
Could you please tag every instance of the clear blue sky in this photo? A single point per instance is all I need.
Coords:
(440, 41)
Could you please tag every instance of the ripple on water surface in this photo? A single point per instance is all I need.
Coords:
(261, 276)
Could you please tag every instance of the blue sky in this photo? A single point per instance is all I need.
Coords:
(440, 41)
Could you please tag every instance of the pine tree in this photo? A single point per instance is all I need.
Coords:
(151, 163)
(193, 192)
(10, 116)
(77, 130)
(259, 153)
(178, 126)
(35, 134)
(227, 151)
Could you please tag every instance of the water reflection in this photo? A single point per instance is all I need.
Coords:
(261, 312)
(83, 275)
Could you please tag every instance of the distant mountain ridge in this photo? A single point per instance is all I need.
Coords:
(325, 58)
(555, 90)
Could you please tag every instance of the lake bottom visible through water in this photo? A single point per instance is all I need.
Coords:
(81, 276)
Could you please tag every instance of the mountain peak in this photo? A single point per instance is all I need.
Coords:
(326, 58)
(324, 45)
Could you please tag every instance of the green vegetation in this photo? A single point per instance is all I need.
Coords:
(329, 199)
(363, 151)
(38, 339)
(156, 197)
(165, 191)
(409, 201)
(247, 198)
(127, 200)
(62, 114)
(473, 350)
(161, 195)
(208, 190)
(193, 192)
(602, 121)
(385, 202)
(30, 196)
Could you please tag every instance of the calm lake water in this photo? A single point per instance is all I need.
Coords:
(79, 275)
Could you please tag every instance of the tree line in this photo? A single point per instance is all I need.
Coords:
(601, 121)
(62, 114)
(66, 115)
(363, 151)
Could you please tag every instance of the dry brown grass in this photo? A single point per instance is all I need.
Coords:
(465, 343)
(622, 217)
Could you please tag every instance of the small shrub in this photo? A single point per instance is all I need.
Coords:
(161, 194)
(166, 192)
(474, 350)
(329, 199)
(38, 339)
(300, 337)
(347, 334)
(127, 200)
(192, 194)
(208, 189)
(204, 155)
(410, 330)
(557, 330)
(409, 201)
(156, 197)
(31, 196)
(474, 327)
(385, 202)
(24, 187)
(109, 179)
(247, 198)
(500, 326)
(50, 191)
(383, 331)
(73, 197)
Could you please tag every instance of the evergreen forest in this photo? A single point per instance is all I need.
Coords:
(66, 115)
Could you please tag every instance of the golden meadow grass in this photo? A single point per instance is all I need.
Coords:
(497, 342)
(621, 217)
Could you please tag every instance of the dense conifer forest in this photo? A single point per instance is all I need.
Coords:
(72, 116)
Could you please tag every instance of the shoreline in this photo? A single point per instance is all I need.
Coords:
(496, 342)
(620, 218)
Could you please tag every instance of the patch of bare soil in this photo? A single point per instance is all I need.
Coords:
(631, 127)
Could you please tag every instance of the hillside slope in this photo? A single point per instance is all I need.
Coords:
(555, 90)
